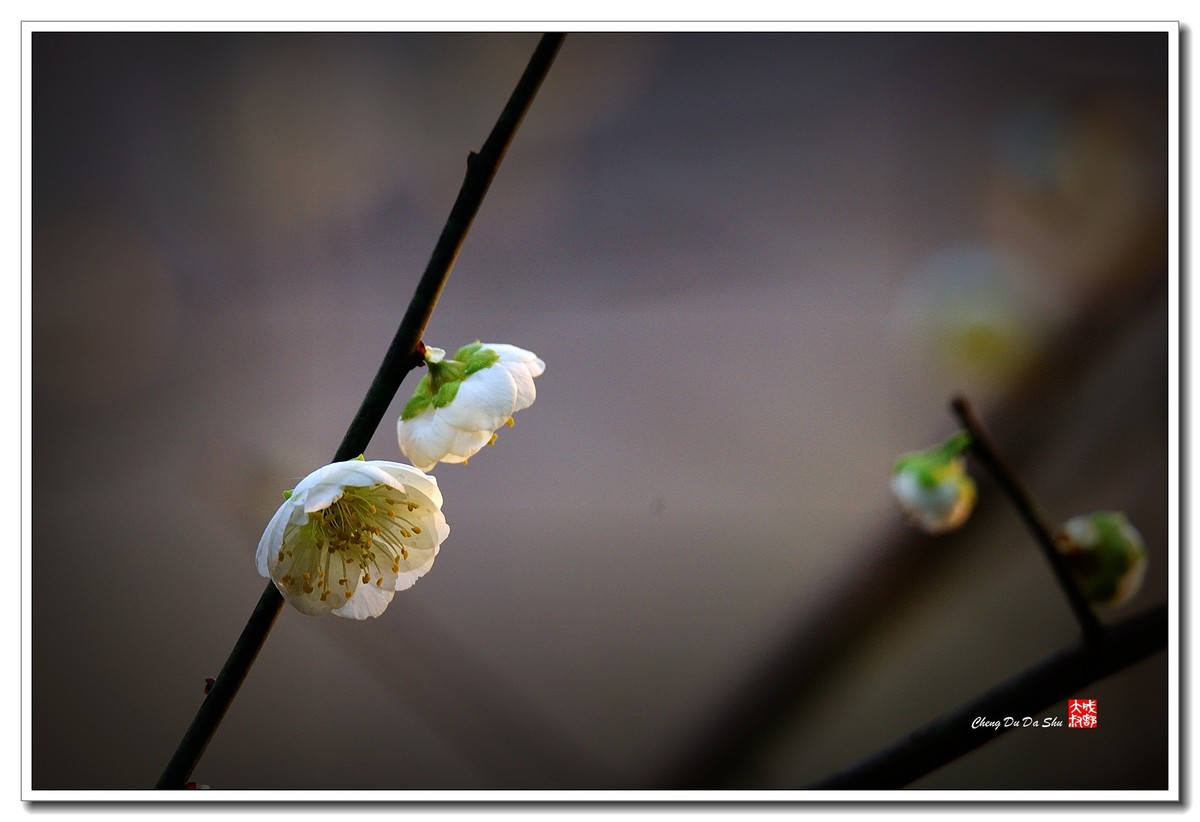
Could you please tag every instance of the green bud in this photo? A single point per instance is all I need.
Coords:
(933, 487)
(1105, 555)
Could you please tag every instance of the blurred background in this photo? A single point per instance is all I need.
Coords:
(757, 266)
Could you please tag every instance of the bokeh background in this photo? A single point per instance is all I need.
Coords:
(757, 265)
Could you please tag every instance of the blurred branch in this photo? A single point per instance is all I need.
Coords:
(819, 640)
(1043, 529)
(1056, 678)
(401, 357)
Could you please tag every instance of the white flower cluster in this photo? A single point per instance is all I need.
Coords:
(352, 533)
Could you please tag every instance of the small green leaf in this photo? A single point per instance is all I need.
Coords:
(955, 446)
(444, 372)
(421, 399)
(480, 360)
(463, 354)
(446, 394)
(287, 494)
(927, 469)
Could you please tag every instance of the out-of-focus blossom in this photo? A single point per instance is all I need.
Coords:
(933, 487)
(1105, 555)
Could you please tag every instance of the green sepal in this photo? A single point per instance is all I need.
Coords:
(933, 465)
(421, 399)
(361, 458)
(446, 394)
(481, 359)
(467, 351)
(928, 469)
(287, 494)
(959, 442)
(443, 373)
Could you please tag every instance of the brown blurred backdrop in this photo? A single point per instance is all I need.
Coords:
(757, 266)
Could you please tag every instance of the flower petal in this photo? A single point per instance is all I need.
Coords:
(320, 496)
(412, 479)
(526, 392)
(523, 366)
(346, 472)
(426, 438)
(272, 537)
(467, 444)
(419, 563)
(510, 354)
(324, 486)
(307, 604)
(368, 601)
(484, 401)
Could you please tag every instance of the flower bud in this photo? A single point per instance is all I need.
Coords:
(1105, 555)
(933, 487)
(457, 408)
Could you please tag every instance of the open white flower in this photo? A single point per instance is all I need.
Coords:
(1105, 555)
(458, 406)
(933, 486)
(350, 535)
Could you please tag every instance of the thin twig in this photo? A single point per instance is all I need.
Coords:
(1043, 529)
(400, 358)
(1056, 678)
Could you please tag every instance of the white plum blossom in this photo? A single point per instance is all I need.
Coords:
(1105, 555)
(933, 487)
(458, 406)
(350, 535)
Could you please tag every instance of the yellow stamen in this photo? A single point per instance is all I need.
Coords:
(361, 526)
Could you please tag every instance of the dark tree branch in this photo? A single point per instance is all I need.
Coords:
(1043, 529)
(1060, 676)
(401, 357)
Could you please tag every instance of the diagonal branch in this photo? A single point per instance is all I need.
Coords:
(1043, 530)
(1056, 678)
(401, 357)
